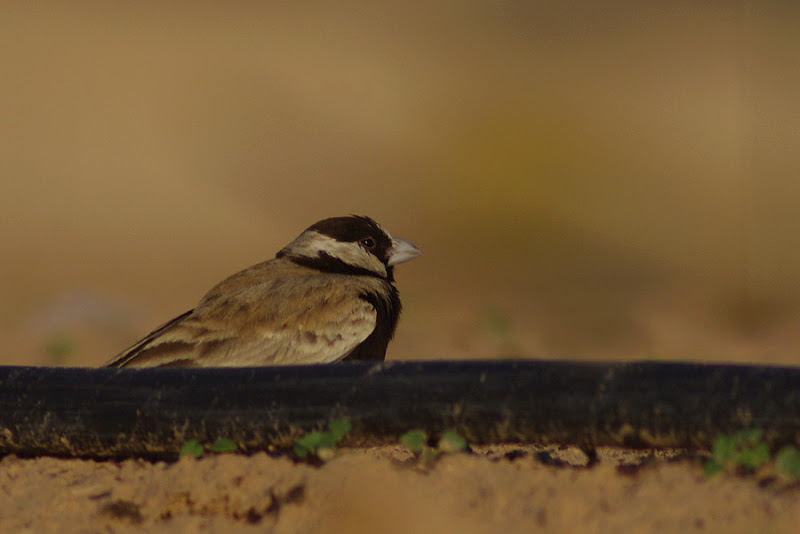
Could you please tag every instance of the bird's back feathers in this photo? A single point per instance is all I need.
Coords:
(265, 315)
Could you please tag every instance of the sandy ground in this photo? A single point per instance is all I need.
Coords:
(495, 489)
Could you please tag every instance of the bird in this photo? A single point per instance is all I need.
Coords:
(326, 297)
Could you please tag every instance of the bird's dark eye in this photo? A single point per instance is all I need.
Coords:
(368, 243)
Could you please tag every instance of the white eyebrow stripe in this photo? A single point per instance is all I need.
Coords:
(313, 244)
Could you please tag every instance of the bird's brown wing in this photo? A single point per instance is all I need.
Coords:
(298, 318)
(122, 359)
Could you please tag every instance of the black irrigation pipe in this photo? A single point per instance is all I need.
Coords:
(114, 413)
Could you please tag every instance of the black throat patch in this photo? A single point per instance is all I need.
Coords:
(374, 347)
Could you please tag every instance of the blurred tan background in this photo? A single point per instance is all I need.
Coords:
(592, 180)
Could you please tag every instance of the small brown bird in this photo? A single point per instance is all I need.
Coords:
(327, 296)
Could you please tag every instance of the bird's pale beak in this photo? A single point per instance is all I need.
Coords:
(402, 251)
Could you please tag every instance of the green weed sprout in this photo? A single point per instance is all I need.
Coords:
(322, 445)
(787, 463)
(195, 449)
(417, 442)
(744, 451)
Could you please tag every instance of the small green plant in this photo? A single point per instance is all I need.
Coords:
(497, 322)
(498, 326)
(59, 348)
(417, 443)
(415, 440)
(743, 450)
(322, 445)
(192, 448)
(787, 463)
(450, 441)
(221, 445)
(195, 449)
